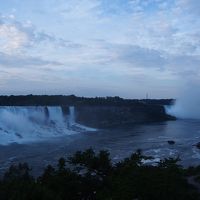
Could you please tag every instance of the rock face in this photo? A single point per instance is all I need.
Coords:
(171, 142)
(65, 110)
(198, 145)
(112, 116)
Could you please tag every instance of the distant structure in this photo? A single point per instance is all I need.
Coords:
(147, 96)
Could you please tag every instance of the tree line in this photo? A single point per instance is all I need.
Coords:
(59, 100)
(90, 175)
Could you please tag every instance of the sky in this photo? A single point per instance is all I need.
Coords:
(94, 48)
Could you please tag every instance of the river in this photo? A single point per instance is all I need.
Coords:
(121, 142)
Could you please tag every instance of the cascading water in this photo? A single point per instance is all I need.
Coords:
(55, 115)
(72, 115)
(27, 124)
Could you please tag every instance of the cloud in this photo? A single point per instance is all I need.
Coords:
(192, 7)
(186, 67)
(16, 36)
(104, 42)
(18, 61)
(75, 9)
(139, 57)
(11, 38)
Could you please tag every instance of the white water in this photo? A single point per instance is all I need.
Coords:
(28, 124)
(72, 115)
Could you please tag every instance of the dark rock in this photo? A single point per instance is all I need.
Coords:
(198, 145)
(46, 111)
(171, 142)
(65, 110)
(18, 135)
(113, 116)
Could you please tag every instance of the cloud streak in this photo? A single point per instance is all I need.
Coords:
(7, 60)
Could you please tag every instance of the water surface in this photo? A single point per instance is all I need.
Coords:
(121, 142)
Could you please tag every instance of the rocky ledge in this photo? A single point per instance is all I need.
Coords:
(112, 116)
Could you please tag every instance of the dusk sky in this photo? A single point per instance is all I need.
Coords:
(121, 48)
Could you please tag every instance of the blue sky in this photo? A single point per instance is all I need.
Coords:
(99, 47)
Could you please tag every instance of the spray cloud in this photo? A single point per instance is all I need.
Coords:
(187, 105)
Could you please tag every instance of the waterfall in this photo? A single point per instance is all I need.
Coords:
(71, 115)
(55, 114)
(23, 124)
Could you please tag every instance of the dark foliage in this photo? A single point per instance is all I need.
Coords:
(93, 176)
(60, 100)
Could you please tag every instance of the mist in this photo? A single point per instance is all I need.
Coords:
(187, 105)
